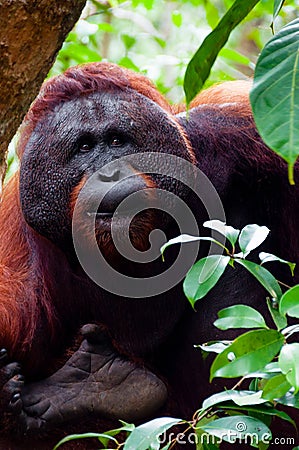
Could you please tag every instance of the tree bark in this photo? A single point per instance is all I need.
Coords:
(31, 33)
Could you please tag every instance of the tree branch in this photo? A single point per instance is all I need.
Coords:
(31, 34)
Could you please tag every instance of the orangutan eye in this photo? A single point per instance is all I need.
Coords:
(116, 141)
(86, 143)
(85, 147)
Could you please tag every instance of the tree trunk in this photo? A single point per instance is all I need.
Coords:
(31, 33)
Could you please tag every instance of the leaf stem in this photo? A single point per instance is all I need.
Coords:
(238, 383)
(200, 416)
(223, 246)
(291, 174)
(174, 441)
(283, 284)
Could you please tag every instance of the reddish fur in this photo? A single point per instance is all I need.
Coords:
(75, 194)
(17, 281)
(226, 93)
(14, 270)
(229, 92)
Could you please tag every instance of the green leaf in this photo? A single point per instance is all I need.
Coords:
(162, 44)
(251, 398)
(146, 436)
(127, 62)
(235, 428)
(128, 40)
(268, 257)
(72, 437)
(147, 3)
(275, 94)
(167, 446)
(239, 316)
(229, 232)
(234, 55)
(289, 399)
(104, 439)
(200, 65)
(251, 237)
(80, 53)
(212, 14)
(292, 329)
(267, 372)
(249, 352)
(289, 302)
(203, 276)
(185, 238)
(263, 276)
(288, 362)
(177, 18)
(259, 409)
(214, 346)
(276, 387)
(278, 4)
(203, 440)
(240, 398)
(254, 384)
(279, 319)
(107, 27)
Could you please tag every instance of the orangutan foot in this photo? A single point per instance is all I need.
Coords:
(95, 380)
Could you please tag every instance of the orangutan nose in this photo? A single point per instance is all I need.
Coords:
(112, 186)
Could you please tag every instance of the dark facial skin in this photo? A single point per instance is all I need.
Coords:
(76, 140)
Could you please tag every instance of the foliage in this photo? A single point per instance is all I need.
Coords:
(203, 276)
(200, 65)
(11, 160)
(159, 39)
(263, 355)
(275, 94)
